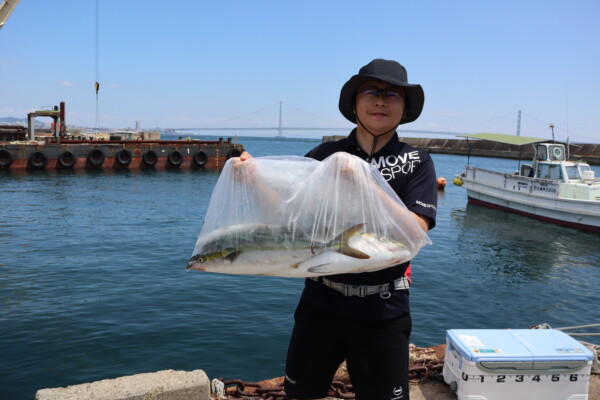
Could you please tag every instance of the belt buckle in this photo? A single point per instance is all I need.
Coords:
(355, 290)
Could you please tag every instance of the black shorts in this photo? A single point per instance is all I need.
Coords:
(376, 355)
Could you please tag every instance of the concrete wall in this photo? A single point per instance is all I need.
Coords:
(589, 153)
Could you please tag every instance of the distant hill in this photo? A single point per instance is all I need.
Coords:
(19, 121)
(13, 120)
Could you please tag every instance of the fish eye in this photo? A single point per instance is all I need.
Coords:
(197, 258)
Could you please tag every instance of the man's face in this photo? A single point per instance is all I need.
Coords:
(379, 106)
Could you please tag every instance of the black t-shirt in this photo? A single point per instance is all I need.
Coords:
(411, 174)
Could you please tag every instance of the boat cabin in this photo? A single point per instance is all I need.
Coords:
(549, 162)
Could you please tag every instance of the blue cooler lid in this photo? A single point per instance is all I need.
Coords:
(536, 349)
(488, 345)
(552, 348)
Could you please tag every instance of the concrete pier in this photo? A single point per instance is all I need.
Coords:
(195, 385)
(163, 385)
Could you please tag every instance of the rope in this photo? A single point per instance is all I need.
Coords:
(218, 388)
(584, 334)
(567, 328)
(375, 137)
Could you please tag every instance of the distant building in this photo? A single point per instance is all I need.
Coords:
(150, 135)
(124, 135)
(102, 136)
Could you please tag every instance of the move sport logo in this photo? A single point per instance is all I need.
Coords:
(393, 165)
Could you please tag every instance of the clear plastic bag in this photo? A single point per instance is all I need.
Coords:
(298, 217)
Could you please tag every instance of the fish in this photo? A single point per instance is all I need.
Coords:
(275, 250)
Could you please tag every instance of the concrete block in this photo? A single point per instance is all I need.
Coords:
(161, 385)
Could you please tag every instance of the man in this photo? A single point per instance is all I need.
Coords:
(333, 322)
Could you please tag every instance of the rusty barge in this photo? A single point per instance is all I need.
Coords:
(22, 150)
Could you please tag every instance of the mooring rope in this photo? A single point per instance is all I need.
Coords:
(583, 334)
(570, 328)
(567, 328)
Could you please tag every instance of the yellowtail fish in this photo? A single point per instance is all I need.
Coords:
(263, 249)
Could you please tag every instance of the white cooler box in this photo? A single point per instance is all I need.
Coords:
(516, 364)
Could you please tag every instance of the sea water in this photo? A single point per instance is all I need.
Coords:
(93, 283)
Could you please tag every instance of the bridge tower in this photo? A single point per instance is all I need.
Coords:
(279, 129)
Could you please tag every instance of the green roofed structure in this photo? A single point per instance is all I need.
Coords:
(502, 138)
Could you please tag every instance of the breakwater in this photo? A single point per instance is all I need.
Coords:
(586, 152)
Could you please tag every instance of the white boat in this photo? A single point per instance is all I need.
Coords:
(550, 188)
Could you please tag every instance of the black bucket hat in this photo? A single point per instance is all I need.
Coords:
(388, 71)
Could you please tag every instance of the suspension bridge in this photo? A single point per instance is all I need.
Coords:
(280, 128)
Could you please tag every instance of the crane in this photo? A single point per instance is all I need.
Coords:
(6, 8)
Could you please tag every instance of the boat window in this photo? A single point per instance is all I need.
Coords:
(572, 172)
(526, 170)
(541, 153)
(549, 171)
(557, 153)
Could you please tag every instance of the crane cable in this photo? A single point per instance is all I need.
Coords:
(97, 84)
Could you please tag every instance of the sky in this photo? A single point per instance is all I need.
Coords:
(216, 64)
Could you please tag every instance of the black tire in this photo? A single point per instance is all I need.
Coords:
(96, 157)
(5, 158)
(66, 159)
(37, 160)
(175, 158)
(150, 158)
(200, 158)
(234, 153)
(123, 157)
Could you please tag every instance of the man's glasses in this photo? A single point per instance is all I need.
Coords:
(387, 93)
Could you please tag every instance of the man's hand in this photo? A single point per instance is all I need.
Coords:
(243, 167)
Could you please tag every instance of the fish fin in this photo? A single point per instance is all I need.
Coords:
(343, 237)
(232, 256)
(340, 242)
(352, 252)
(321, 269)
(348, 233)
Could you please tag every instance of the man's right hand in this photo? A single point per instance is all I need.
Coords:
(243, 168)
